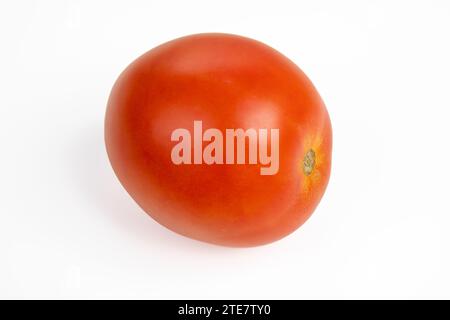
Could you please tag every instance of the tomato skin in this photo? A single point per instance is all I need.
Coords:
(226, 81)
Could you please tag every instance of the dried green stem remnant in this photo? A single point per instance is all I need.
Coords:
(309, 161)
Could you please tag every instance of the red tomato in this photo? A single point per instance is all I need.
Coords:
(220, 138)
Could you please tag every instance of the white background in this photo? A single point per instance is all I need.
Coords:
(69, 230)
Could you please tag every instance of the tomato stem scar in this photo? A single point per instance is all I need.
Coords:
(309, 161)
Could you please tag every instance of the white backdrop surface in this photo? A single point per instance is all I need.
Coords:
(69, 230)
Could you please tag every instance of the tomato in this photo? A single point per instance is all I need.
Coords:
(220, 138)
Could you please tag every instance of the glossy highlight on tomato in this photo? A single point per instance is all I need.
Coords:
(220, 138)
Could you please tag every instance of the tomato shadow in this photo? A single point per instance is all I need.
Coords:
(94, 178)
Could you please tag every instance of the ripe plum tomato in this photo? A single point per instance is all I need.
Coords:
(220, 138)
